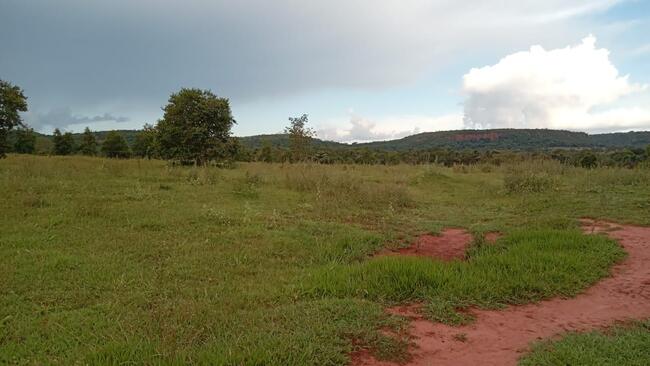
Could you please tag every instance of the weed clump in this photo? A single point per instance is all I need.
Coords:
(528, 182)
(447, 312)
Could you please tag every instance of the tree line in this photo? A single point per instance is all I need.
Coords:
(196, 129)
(587, 158)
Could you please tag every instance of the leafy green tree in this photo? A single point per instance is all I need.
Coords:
(12, 101)
(88, 143)
(195, 127)
(144, 145)
(63, 143)
(25, 141)
(115, 146)
(300, 137)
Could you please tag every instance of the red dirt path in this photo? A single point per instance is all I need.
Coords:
(499, 337)
(450, 245)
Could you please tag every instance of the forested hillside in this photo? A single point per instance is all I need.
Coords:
(502, 139)
(498, 139)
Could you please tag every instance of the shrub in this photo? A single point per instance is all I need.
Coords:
(528, 182)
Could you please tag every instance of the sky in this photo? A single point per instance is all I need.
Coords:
(362, 70)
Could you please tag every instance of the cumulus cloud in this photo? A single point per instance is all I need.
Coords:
(360, 129)
(575, 88)
(64, 118)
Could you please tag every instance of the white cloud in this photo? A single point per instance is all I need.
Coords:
(360, 129)
(575, 88)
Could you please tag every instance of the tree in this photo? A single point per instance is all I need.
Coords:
(12, 101)
(25, 141)
(115, 146)
(299, 137)
(88, 143)
(195, 127)
(145, 142)
(63, 143)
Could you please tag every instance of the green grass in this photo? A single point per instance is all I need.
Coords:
(622, 346)
(137, 262)
(526, 266)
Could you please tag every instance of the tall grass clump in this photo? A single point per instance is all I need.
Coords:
(527, 182)
(532, 177)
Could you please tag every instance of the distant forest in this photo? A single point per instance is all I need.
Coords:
(446, 147)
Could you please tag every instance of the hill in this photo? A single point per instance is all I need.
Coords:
(282, 140)
(495, 139)
(512, 139)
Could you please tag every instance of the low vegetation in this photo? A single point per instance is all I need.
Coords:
(527, 266)
(106, 261)
(623, 345)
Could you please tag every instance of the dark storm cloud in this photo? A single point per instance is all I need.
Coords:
(65, 118)
(243, 49)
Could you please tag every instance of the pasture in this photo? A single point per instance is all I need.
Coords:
(139, 262)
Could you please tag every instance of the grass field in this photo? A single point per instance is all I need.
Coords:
(138, 262)
(622, 345)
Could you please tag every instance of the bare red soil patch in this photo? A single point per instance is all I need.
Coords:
(499, 337)
(492, 236)
(450, 245)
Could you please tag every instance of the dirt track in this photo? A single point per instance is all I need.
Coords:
(499, 337)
